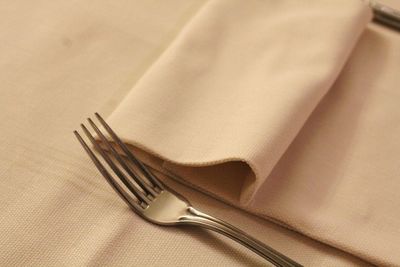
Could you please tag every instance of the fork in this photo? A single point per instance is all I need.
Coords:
(155, 202)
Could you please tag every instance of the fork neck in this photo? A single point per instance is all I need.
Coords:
(195, 217)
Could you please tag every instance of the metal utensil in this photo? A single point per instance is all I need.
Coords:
(385, 15)
(157, 203)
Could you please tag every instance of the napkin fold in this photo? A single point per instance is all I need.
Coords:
(234, 89)
(237, 107)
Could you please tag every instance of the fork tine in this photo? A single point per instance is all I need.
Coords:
(127, 168)
(149, 175)
(117, 188)
(140, 196)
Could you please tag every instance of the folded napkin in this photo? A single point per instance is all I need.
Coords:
(233, 107)
(238, 84)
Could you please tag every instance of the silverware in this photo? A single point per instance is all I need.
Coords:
(157, 203)
(385, 15)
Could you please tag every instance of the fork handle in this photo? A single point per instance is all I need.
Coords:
(195, 217)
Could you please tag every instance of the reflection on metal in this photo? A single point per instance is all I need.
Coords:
(385, 15)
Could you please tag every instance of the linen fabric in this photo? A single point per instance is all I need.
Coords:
(63, 60)
(225, 108)
(239, 82)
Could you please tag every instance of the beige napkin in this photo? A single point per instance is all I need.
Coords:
(231, 108)
(239, 82)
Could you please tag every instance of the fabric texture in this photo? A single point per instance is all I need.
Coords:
(240, 81)
(225, 107)
(252, 103)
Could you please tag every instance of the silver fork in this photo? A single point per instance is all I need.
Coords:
(154, 201)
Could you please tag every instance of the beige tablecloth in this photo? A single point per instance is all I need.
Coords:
(286, 110)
